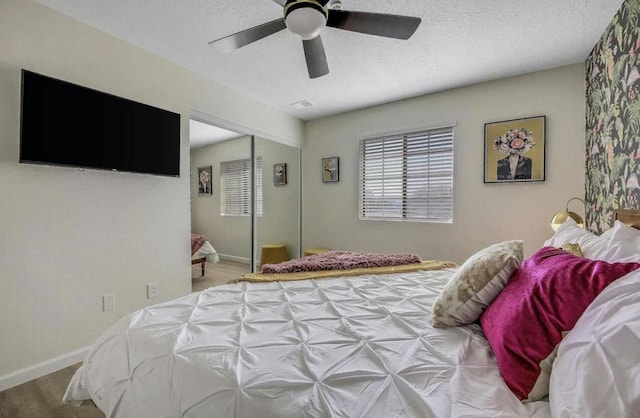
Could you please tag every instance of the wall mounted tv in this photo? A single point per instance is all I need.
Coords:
(70, 125)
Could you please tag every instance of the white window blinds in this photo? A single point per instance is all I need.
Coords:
(407, 176)
(235, 188)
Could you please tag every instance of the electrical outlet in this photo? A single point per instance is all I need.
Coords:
(153, 291)
(108, 302)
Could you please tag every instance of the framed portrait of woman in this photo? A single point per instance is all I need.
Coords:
(514, 150)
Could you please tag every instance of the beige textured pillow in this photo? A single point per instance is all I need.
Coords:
(475, 284)
(572, 248)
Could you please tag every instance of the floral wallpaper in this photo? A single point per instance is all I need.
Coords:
(613, 119)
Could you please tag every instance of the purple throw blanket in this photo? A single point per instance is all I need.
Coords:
(197, 241)
(340, 260)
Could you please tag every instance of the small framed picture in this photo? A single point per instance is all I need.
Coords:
(330, 169)
(514, 150)
(280, 174)
(204, 181)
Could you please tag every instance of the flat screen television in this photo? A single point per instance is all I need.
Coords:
(69, 125)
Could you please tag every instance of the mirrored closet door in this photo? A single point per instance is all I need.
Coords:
(277, 221)
(252, 200)
(221, 203)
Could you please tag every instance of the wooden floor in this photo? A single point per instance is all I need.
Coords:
(216, 274)
(42, 398)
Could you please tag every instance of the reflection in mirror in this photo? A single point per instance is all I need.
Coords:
(280, 220)
(220, 204)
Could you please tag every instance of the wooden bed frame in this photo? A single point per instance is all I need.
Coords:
(202, 261)
(629, 217)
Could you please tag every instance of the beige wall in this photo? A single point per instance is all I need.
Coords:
(69, 236)
(483, 213)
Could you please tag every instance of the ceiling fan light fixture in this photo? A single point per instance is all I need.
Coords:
(305, 18)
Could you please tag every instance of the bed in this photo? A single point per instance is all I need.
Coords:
(202, 251)
(352, 346)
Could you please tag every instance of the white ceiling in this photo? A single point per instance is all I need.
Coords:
(201, 134)
(459, 42)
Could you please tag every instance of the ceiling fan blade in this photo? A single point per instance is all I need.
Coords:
(280, 2)
(316, 58)
(390, 26)
(240, 39)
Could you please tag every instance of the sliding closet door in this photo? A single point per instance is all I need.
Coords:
(224, 215)
(277, 218)
(254, 199)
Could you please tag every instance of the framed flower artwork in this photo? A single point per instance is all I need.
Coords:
(331, 169)
(280, 174)
(204, 181)
(514, 150)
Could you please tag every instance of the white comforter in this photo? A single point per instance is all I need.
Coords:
(345, 347)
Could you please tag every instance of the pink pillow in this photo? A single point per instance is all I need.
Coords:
(542, 301)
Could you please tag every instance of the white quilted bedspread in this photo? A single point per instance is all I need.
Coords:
(346, 347)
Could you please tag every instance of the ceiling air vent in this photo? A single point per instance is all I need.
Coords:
(302, 104)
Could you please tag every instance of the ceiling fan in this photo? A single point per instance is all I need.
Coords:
(306, 18)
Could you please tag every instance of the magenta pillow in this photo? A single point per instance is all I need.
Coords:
(543, 299)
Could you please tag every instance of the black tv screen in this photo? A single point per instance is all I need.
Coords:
(70, 125)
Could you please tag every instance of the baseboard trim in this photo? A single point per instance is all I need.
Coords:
(41, 369)
(234, 258)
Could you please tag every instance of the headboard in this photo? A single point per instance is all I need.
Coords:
(629, 217)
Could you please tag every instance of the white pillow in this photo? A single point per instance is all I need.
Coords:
(627, 242)
(569, 232)
(609, 232)
(620, 231)
(627, 236)
(596, 373)
(593, 247)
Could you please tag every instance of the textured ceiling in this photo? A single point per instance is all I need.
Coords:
(459, 42)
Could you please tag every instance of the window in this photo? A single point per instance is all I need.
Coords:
(235, 179)
(407, 177)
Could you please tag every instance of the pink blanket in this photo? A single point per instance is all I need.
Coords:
(197, 241)
(340, 260)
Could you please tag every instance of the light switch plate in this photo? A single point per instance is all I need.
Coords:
(153, 290)
(108, 302)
